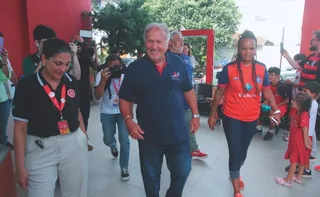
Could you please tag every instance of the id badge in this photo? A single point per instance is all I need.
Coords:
(63, 127)
(115, 102)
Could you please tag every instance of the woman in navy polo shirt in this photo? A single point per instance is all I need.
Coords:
(47, 120)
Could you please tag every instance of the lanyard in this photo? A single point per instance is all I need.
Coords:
(115, 86)
(54, 99)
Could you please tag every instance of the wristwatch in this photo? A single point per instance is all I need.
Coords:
(196, 115)
(277, 112)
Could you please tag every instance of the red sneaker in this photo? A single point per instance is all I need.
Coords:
(198, 155)
(317, 168)
(238, 195)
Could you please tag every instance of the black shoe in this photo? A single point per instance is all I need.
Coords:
(125, 175)
(312, 158)
(259, 131)
(268, 136)
(307, 174)
(114, 152)
(297, 169)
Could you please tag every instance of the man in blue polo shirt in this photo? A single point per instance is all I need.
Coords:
(175, 47)
(157, 82)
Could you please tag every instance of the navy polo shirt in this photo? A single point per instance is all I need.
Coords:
(159, 98)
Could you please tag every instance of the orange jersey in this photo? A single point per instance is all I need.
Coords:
(243, 103)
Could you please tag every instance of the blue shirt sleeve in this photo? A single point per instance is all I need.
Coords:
(223, 77)
(186, 84)
(266, 81)
(127, 89)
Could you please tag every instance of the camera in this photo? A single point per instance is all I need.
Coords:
(116, 71)
(78, 43)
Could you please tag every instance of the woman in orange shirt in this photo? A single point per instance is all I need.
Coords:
(241, 84)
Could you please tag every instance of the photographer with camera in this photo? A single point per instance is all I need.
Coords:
(108, 82)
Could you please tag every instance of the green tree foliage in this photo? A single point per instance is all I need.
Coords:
(123, 22)
(221, 15)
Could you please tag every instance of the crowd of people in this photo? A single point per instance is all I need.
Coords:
(51, 109)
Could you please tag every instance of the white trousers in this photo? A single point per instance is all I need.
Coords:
(64, 156)
(314, 145)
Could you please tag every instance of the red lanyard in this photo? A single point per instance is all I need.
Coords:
(54, 99)
(115, 86)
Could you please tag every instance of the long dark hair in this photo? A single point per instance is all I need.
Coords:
(237, 59)
(304, 101)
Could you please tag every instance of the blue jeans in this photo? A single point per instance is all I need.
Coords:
(4, 116)
(178, 161)
(109, 122)
(239, 135)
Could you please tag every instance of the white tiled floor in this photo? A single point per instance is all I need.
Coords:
(208, 178)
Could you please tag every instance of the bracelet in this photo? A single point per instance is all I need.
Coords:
(277, 112)
(126, 117)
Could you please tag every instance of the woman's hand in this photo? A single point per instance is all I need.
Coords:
(212, 120)
(277, 118)
(22, 177)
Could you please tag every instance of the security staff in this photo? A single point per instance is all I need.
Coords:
(49, 134)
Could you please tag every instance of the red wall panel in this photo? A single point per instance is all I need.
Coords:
(64, 16)
(310, 23)
(18, 18)
(14, 26)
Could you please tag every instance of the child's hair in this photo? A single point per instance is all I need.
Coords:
(300, 57)
(312, 86)
(303, 101)
(274, 70)
(246, 35)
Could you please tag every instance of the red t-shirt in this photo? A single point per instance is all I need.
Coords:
(238, 103)
(279, 92)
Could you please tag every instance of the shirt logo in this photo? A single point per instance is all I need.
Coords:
(259, 79)
(313, 63)
(236, 78)
(175, 76)
(71, 93)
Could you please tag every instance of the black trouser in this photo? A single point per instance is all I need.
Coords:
(239, 135)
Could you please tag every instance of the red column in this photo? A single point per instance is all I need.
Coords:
(310, 23)
(209, 33)
(210, 57)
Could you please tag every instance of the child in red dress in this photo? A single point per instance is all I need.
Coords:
(299, 141)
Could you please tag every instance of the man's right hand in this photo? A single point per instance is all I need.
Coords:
(134, 129)
(105, 74)
(22, 178)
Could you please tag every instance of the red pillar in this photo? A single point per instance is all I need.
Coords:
(310, 23)
(209, 33)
